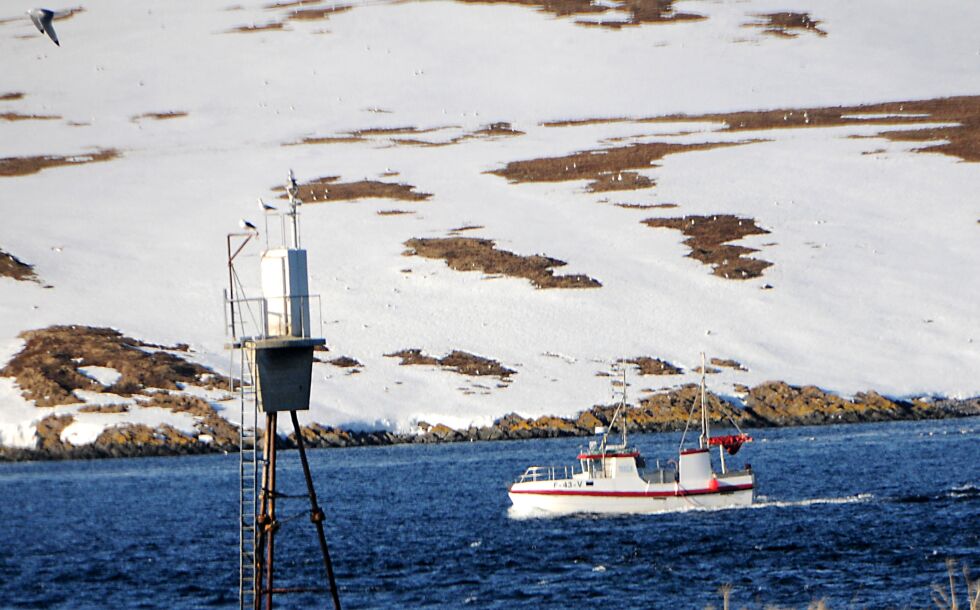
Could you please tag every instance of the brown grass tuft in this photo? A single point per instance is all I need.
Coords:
(628, 13)
(25, 166)
(728, 363)
(316, 14)
(46, 369)
(265, 27)
(49, 430)
(786, 25)
(708, 237)
(473, 254)
(9, 97)
(159, 116)
(458, 361)
(14, 116)
(605, 168)
(654, 366)
(327, 188)
(13, 267)
(115, 408)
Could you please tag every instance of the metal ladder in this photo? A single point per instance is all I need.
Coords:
(248, 468)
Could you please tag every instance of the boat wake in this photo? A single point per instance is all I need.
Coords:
(964, 492)
(761, 503)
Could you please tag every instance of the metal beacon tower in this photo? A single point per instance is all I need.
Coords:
(271, 364)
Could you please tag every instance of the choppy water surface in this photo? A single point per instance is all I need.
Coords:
(860, 515)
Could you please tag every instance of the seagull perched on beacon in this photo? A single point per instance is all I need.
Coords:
(265, 207)
(42, 20)
(247, 226)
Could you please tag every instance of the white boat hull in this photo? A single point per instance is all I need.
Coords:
(530, 502)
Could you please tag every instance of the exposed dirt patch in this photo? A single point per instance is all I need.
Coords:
(316, 14)
(345, 362)
(222, 432)
(393, 212)
(25, 166)
(9, 97)
(474, 254)
(265, 27)
(326, 140)
(14, 116)
(707, 236)
(624, 13)
(728, 363)
(458, 361)
(786, 25)
(327, 188)
(46, 369)
(159, 116)
(13, 267)
(645, 206)
(117, 408)
(397, 136)
(962, 138)
(606, 169)
(465, 228)
(294, 4)
(654, 366)
(498, 129)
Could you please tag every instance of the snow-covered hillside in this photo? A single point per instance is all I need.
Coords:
(874, 247)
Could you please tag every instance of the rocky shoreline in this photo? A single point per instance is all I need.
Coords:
(768, 405)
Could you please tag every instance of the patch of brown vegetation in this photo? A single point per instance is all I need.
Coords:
(290, 4)
(605, 168)
(707, 236)
(645, 206)
(473, 254)
(46, 369)
(634, 12)
(13, 267)
(316, 14)
(498, 129)
(49, 429)
(458, 361)
(654, 366)
(9, 97)
(326, 140)
(159, 116)
(223, 433)
(25, 166)
(327, 188)
(265, 27)
(962, 138)
(14, 116)
(465, 228)
(728, 363)
(114, 408)
(786, 25)
(345, 362)
(393, 212)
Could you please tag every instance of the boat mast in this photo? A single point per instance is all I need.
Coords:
(622, 405)
(705, 430)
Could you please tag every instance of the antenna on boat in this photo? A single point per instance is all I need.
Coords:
(622, 405)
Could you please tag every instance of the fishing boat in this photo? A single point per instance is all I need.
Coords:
(614, 478)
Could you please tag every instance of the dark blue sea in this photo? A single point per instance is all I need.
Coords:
(859, 516)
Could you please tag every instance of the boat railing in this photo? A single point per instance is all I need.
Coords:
(546, 473)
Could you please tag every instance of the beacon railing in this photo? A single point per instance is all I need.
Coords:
(263, 318)
(546, 473)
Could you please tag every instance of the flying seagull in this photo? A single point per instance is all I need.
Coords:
(247, 226)
(42, 20)
(265, 207)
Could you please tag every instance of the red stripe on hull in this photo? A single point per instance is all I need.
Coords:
(633, 494)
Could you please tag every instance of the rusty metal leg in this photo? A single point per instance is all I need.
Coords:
(261, 520)
(316, 513)
(271, 524)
